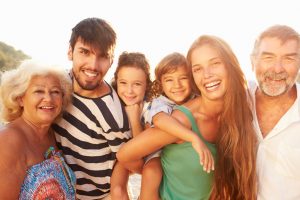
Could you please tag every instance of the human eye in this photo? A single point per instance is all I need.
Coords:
(168, 80)
(38, 91)
(183, 77)
(267, 57)
(84, 51)
(56, 91)
(216, 63)
(197, 69)
(137, 84)
(106, 56)
(289, 59)
(122, 82)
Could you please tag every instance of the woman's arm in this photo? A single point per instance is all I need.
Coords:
(147, 142)
(171, 125)
(12, 164)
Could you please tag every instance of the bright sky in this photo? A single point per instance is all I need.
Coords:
(41, 28)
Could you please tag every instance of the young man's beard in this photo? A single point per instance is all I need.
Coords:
(87, 86)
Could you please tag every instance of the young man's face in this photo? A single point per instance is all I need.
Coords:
(89, 66)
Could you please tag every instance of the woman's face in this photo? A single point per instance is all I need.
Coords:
(42, 101)
(131, 85)
(209, 72)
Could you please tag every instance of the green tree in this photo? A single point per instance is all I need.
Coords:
(9, 57)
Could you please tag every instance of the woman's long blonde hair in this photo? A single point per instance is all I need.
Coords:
(235, 174)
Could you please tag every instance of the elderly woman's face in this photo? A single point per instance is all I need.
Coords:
(42, 101)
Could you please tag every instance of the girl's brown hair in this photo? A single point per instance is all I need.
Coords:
(235, 174)
(137, 60)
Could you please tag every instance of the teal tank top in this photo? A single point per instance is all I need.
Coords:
(183, 176)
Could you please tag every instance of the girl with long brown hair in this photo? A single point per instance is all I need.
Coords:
(235, 175)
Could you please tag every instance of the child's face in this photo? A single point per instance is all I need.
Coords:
(131, 85)
(176, 85)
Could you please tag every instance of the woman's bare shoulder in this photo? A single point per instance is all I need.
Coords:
(12, 140)
(12, 161)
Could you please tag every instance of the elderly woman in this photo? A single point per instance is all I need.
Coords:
(32, 97)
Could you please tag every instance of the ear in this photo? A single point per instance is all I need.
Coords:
(70, 53)
(20, 101)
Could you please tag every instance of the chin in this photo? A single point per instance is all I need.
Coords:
(179, 100)
(47, 120)
(129, 103)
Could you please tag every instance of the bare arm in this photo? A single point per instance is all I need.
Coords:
(172, 126)
(12, 165)
(179, 126)
(134, 113)
(147, 142)
(118, 182)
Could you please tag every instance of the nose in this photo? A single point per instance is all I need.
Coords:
(206, 72)
(278, 66)
(47, 96)
(95, 62)
(177, 83)
(129, 89)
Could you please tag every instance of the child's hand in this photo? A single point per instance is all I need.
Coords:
(134, 111)
(206, 159)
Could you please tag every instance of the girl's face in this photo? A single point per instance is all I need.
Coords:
(209, 72)
(176, 85)
(131, 85)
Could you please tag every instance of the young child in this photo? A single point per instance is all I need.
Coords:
(171, 87)
(132, 83)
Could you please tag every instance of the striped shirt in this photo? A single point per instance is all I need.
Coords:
(90, 133)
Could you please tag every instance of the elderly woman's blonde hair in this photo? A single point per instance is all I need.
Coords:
(14, 84)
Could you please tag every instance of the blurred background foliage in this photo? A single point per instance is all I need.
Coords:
(9, 57)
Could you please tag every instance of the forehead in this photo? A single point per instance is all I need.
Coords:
(130, 72)
(179, 70)
(46, 80)
(80, 43)
(275, 45)
(203, 53)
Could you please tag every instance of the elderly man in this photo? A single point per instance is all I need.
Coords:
(276, 61)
